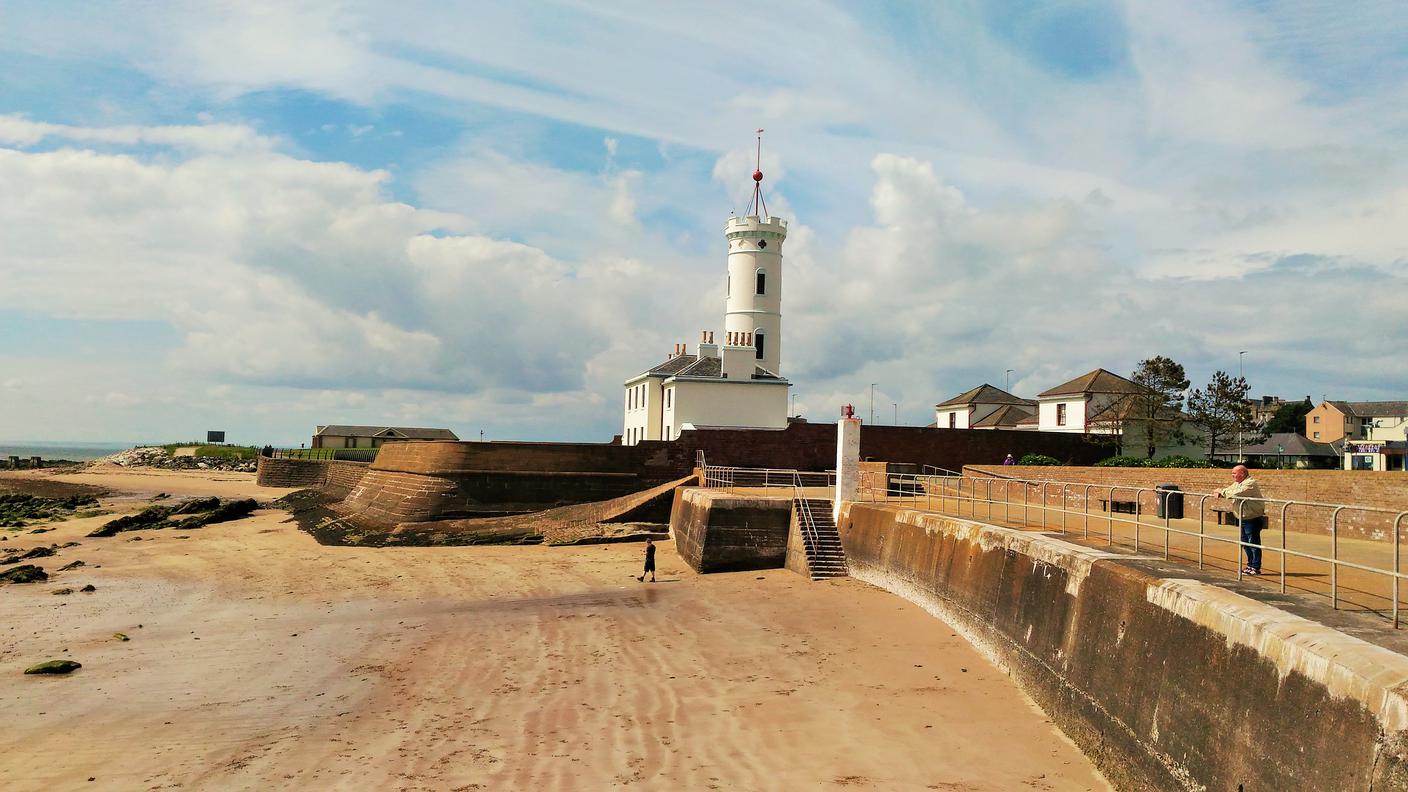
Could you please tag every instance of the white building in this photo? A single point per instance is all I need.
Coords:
(737, 383)
(1382, 441)
(1093, 403)
(986, 407)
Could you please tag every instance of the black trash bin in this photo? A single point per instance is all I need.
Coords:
(1170, 501)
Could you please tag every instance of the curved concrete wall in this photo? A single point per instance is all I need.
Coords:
(339, 477)
(1167, 683)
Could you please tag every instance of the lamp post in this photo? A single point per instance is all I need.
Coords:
(1008, 387)
(872, 404)
(1244, 396)
(794, 405)
(896, 405)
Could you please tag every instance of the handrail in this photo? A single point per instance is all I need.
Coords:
(950, 488)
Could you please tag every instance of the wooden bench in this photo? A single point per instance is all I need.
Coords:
(1119, 506)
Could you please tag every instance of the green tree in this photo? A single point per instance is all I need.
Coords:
(1160, 410)
(1221, 409)
(1290, 417)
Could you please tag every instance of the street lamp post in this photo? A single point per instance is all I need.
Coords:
(896, 405)
(1240, 376)
(1009, 380)
(872, 404)
(794, 405)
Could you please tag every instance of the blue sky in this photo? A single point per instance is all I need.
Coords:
(265, 216)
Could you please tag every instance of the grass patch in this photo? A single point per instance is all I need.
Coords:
(208, 450)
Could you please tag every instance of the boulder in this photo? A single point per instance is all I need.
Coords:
(37, 552)
(225, 512)
(54, 667)
(150, 517)
(70, 565)
(197, 506)
(25, 573)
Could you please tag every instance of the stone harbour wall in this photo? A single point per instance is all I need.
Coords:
(1166, 683)
(308, 472)
(718, 532)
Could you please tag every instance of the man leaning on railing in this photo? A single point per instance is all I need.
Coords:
(1250, 509)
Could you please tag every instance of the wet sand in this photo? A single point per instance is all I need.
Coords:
(259, 659)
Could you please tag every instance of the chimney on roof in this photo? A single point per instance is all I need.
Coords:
(738, 357)
(707, 347)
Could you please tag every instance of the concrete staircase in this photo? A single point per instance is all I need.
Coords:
(825, 556)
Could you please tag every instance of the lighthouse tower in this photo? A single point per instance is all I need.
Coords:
(753, 301)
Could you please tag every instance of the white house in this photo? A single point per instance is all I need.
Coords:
(737, 383)
(986, 407)
(1088, 404)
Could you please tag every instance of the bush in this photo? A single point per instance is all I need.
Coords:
(1038, 459)
(1180, 462)
(1123, 461)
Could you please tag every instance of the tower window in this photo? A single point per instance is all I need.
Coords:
(762, 282)
(762, 243)
(758, 344)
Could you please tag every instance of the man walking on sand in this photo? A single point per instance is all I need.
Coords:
(1251, 514)
(649, 561)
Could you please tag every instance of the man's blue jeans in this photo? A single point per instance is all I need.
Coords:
(1251, 534)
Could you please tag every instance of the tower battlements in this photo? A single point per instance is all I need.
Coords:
(753, 222)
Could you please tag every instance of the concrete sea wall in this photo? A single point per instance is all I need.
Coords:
(718, 532)
(1166, 683)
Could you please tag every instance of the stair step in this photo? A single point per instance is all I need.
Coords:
(826, 556)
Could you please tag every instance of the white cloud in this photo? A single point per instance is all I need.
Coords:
(19, 131)
(277, 270)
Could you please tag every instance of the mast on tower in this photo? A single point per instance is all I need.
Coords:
(757, 206)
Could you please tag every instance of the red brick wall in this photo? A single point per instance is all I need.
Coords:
(1385, 490)
(812, 446)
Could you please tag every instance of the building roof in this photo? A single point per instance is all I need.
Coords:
(985, 394)
(763, 374)
(386, 432)
(674, 365)
(1097, 381)
(1006, 415)
(703, 367)
(1291, 444)
(1376, 409)
(695, 367)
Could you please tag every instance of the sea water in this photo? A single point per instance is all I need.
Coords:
(74, 451)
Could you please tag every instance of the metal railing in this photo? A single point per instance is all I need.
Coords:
(323, 454)
(981, 498)
(736, 478)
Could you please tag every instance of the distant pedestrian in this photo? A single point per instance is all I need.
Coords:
(649, 561)
(1009, 460)
(267, 451)
(1250, 509)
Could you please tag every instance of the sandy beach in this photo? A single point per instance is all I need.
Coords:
(259, 659)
